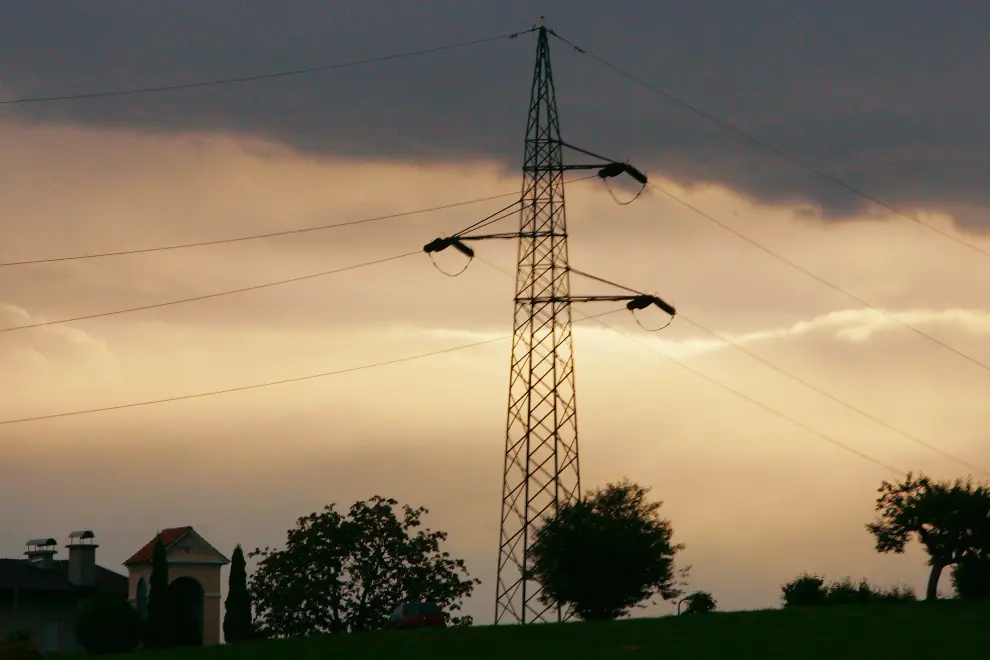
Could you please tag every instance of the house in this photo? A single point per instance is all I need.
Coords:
(40, 594)
(194, 580)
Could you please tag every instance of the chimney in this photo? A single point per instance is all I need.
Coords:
(41, 552)
(82, 558)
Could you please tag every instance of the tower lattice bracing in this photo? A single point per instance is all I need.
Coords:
(541, 447)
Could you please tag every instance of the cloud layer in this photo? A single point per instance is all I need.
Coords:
(886, 95)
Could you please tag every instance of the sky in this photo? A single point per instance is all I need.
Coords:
(889, 101)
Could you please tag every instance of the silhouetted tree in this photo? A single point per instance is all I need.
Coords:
(347, 573)
(699, 602)
(971, 579)
(606, 553)
(950, 519)
(237, 623)
(108, 624)
(159, 629)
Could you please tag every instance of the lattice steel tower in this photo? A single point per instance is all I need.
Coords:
(541, 446)
(541, 469)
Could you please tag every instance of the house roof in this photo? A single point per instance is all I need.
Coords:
(23, 575)
(169, 538)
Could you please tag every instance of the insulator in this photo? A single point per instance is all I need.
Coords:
(463, 249)
(436, 245)
(665, 306)
(644, 301)
(636, 174)
(639, 302)
(611, 170)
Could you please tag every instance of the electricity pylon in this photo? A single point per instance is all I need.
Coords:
(541, 468)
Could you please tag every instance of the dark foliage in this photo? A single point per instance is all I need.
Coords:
(237, 622)
(809, 589)
(108, 624)
(606, 553)
(971, 579)
(699, 602)
(159, 626)
(347, 573)
(806, 589)
(950, 519)
(19, 649)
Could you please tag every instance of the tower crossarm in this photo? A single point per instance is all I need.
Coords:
(641, 301)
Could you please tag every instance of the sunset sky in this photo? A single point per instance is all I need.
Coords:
(888, 96)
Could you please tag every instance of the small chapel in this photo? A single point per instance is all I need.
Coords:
(194, 581)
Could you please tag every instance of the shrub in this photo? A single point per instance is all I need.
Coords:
(106, 624)
(700, 602)
(971, 579)
(812, 590)
(846, 592)
(901, 594)
(806, 589)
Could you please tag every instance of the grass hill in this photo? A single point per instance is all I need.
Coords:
(943, 630)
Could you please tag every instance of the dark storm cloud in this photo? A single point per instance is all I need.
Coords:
(890, 95)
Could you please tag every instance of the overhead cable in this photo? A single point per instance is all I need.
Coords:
(272, 383)
(720, 384)
(766, 146)
(207, 296)
(263, 76)
(820, 279)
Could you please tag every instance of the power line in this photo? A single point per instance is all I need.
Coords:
(802, 381)
(211, 295)
(723, 385)
(773, 411)
(263, 76)
(272, 383)
(766, 146)
(904, 434)
(273, 234)
(818, 278)
(243, 289)
(254, 386)
(252, 237)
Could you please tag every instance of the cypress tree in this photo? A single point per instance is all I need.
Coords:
(237, 624)
(158, 625)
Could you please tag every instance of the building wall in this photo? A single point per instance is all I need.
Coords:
(32, 616)
(208, 576)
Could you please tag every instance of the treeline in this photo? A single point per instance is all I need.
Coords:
(808, 589)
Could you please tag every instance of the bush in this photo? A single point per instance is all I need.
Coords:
(902, 594)
(806, 589)
(971, 579)
(700, 602)
(106, 624)
(812, 590)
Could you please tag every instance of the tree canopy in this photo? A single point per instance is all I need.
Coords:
(348, 572)
(606, 553)
(950, 519)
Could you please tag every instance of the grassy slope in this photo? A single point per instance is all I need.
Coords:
(938, 630)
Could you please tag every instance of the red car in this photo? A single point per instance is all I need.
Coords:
(417, 615)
